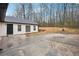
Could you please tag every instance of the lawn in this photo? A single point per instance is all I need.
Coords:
(45, 30)
(59, 30)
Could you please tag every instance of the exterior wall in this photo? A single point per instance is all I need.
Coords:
(23, 29)
(32, 30)
(3, 29)
(15, 29)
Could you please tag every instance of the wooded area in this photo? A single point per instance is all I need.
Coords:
(49, 14)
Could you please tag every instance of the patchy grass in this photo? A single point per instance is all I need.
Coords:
(59, 30)
(45, 30)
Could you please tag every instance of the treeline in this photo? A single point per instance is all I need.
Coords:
(50, 14)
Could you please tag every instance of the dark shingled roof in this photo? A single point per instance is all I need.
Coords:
(12, 19)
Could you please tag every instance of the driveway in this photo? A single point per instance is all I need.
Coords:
(51, 44)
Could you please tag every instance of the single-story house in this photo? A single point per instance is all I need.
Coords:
(13, 25)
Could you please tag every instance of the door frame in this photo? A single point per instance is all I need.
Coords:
(9, 29)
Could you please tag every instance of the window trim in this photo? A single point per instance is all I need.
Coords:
(34, 27)
(29, 29)
(19, 28)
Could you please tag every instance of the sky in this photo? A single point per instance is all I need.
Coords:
(11, 8)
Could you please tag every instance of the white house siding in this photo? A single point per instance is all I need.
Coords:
(15, 29)
(32, 30)
(23, 28)
(3, 29)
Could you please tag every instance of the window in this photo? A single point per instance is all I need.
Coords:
(19, 27)
(27, 28)
(34, 28)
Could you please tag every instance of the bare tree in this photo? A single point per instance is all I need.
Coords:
(64, 14)
(30, 11)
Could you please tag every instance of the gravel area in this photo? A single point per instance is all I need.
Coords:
(52, 44)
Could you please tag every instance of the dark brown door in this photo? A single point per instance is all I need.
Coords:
(9, 28)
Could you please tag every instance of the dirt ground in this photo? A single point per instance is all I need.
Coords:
(50, 44)
(59, 30)
(49, 41)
